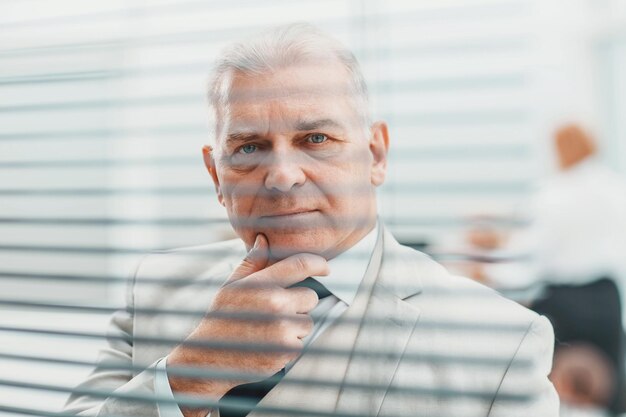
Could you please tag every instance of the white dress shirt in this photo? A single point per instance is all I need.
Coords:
(577, 232)
(346, 273)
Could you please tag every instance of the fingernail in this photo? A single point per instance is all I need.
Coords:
(257, 242)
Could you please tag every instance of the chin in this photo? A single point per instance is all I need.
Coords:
(284, 243)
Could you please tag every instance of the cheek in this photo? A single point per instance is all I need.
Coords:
(239, 200)
(351, 192)
(347, 168)
(343, 184)
(237, 187)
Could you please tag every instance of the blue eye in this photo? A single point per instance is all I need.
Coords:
(317, 138)
(248, 148)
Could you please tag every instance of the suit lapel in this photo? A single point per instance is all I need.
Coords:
(395, 323)
(312, 366)
(387, 326)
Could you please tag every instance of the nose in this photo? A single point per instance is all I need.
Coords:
(284, 172)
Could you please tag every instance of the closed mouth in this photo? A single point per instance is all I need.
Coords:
(289, 213)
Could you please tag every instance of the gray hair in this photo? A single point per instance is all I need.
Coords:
(279, 48)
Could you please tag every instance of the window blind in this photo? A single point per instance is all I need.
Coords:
(103, 115)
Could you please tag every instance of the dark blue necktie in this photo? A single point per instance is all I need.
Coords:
(249, 395)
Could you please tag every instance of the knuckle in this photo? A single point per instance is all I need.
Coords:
(284, 327)
(246, 262)
(307, 299)
(275, 303)
(311, 264)
(303, 263)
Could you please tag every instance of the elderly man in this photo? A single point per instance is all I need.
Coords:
(316, 309)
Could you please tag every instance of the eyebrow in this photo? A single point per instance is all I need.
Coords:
(317, 124)
(239, 137)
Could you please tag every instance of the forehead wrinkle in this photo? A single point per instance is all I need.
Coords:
(246, 120)
(240, 127)
(287, 114)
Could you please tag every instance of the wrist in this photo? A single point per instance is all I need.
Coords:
(184, 385)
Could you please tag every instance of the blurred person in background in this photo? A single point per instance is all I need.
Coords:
(296, 162)
(574, 249)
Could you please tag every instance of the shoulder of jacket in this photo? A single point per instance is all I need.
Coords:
(457, 298)
(190, 262)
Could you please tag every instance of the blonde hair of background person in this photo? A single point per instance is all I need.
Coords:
(573, 146)
(296, 162)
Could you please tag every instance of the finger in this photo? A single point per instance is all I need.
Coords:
(255, 260)
(302, 300)
(305, 325)
(293, 269)
(293, 328)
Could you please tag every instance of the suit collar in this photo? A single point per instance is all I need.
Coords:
(387, 325)
(348, 269)
(404, 270)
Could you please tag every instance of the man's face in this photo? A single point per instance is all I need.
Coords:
(295, 163)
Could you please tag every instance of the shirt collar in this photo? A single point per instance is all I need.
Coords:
(348, 268)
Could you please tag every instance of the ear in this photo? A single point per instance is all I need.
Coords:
(379, 146)
(209, 162)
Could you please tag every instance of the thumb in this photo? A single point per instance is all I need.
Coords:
(255, 260)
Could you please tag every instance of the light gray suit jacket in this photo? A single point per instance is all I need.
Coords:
(453, 347)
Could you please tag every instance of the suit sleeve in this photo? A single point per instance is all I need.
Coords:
(535, 349)
(112, 391)
(163, 390)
